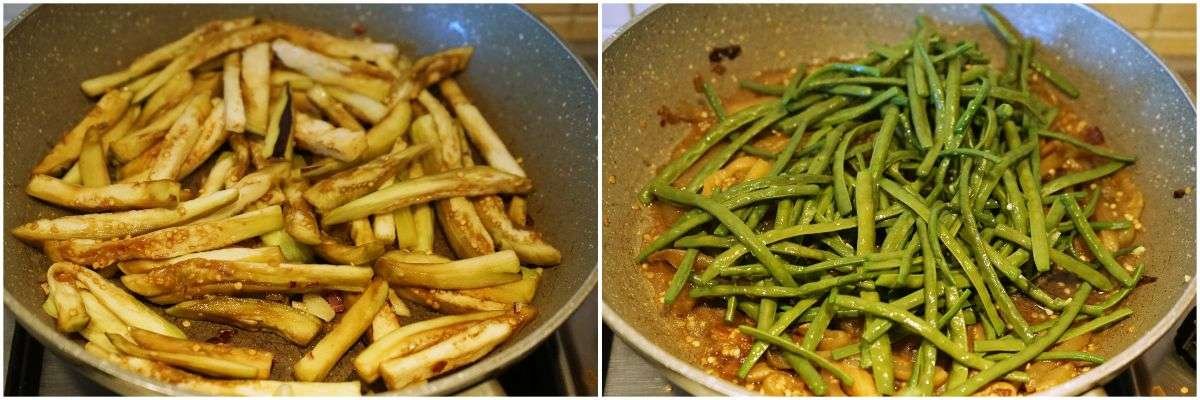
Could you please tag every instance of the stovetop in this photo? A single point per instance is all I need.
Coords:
(1167, 368)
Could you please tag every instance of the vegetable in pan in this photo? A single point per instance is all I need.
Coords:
(911, 222)
(314, 220)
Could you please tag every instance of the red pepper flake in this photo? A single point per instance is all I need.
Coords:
(1181, 192)
(223, 337)
(1093, 135)
(358, 28)
(335, 301)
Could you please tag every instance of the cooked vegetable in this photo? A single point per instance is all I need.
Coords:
(114, 197)
(193, 278)
(161, 56)
(253, 314)
(317, 362)
(483, 271)
(107, 111)
(231, 87)
(329, 193)
(169, 242)
(268, 254)
(322, 138)
(327, 70)
(939, 220)
(124, 223)
(410, 338)
(473, 181)
(327, 118)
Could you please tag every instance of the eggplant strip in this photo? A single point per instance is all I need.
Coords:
(221, 387)
(473, 181)
(345, 186)
(316, 363)
(169, 242)
(231, 83)
(253, 314)
(410, 338)
(482, 271)
(130, 310)
(266, 254)
(326, 70)
(114, 197)
(161, 56)
(107, 111)
(194, 278)
(120, 224)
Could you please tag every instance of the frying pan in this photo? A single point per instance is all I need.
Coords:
(532, 89)
(1127, 92)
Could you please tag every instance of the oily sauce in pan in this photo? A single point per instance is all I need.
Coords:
(718, 347)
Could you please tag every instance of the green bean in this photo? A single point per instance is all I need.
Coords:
(851, 90)
(841, 194)
(1076, 178)
(857, 111)
(679, 279)
(1007, 344)
(864, 205)
(973, 107)
(723, 155)
(807, 289)
(1037, 219)
(909, 199)
(1099, 322)
(1001, 25)
(916, 325)
(781, 323)
(762, 88)
(844, 352)
(855, 81)
(920, 121)
(1070, 356)
(739, 229)
(1037, 346)
(788, 346)
(731, 303)
(890, 280)
(883, 141)
(711, 137)
(1068, 263)
(714, 102)
(967, 151)
(880, 352)
(1059, 81)
(1088, 147)
(1093, 243)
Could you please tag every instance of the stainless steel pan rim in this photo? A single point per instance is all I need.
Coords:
(696, 381)
(127, 382)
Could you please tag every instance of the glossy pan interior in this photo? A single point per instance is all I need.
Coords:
(1127, 92)
(536, 94)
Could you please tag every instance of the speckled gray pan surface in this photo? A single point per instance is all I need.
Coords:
(535, 93)
(1127, 92)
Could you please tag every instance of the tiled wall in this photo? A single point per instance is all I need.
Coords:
(1170, 29)
(574, 23)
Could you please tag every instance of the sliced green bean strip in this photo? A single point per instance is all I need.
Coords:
(1059, 81)
(714, 101)
(739, 229)
(788, 346)
(1095, 324)
(711, 137)
(1007, 344)
(1076, 178)
(916, 325)
(1037, 346)
(807, 289)
(1102, 254)
(1068, 263)
(1088, 147)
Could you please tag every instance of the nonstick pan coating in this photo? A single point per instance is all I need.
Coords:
(1127, 92)
(535, 93)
